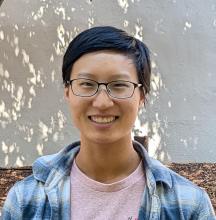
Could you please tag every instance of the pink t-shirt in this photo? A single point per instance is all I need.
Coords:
(95, 200)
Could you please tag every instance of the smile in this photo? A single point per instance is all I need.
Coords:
(103, 119)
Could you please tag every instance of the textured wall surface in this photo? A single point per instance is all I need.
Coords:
(180, 114)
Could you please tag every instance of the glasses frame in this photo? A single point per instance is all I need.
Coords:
(136, 85)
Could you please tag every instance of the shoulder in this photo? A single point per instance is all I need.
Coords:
(171, 178)
(27, 186)
(175, 183)
(181, 195)
(184, 189)
(26, 189)
(26, 192)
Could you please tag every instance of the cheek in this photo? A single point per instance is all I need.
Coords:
(75, 116)
(78, 109)
(75, 109)
(131, 111)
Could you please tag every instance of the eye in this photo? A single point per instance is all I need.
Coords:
(120, 84)
(86, 83)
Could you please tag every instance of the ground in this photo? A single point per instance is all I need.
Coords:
(202, 174)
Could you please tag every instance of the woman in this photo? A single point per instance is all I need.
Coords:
(106, 175)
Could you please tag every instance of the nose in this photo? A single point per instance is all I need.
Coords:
(102, 100)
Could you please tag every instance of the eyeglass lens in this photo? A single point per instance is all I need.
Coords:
(117, 89)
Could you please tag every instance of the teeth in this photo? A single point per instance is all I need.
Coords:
(100, 119)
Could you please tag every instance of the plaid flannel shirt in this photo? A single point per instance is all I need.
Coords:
(46, 193)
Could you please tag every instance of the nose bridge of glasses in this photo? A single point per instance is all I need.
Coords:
(102, 98)
(105, 88)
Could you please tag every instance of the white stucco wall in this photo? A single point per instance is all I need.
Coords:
(180, 115)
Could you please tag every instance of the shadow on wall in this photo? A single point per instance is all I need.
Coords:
(1, 1)
(32, 41)
(151, 123)
(27, 117)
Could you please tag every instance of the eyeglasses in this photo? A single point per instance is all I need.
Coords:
(119, 89)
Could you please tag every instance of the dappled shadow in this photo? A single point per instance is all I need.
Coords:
(33, 37)
(1, 1)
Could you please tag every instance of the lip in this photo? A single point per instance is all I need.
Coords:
(105, 123)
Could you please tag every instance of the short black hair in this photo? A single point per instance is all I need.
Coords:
(109, 38)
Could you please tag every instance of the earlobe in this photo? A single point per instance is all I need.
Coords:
(142, 100)
(66, 93)
(141, 103)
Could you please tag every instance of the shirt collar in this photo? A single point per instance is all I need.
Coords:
(61, 162)
(155, 170)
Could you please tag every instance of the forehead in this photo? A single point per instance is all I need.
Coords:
(105, 65)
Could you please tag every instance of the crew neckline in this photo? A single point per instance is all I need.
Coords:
(124, 183)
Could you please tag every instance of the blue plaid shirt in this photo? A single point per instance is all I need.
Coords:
(46, 193)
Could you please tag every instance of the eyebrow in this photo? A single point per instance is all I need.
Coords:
(114, 76)
(85, 75)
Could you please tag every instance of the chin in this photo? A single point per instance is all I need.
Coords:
(107, 139)
(104, 141)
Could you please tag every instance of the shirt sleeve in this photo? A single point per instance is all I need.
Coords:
(11, 209)
(205, 209)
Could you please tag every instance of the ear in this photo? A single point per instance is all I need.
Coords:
(66, 93)
(142, 99)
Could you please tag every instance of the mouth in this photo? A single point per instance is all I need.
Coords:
(103, 119)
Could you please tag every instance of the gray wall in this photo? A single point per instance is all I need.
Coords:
(180, 115)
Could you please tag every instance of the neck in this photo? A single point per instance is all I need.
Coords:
(109, 162)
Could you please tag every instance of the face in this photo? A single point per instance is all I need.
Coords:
(101, 118)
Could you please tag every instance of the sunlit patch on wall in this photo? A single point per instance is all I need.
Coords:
(39, 14)
(4, 115)
(52, 128)
(90, 22)
(153, 128)
(159, 26)
(124, 5)
(1, 35)
(40, 148)
(125, 23)
(60, 11)
(20, 161)
(60, 44)
(9, 150)
(27, 132)
(53, 75)
(184, 141)
(31, 34)
(138, 31)
(214, 23)
(63, 38)
(61, 119)
(51, 58)
(2, 14)
(155, 139)
(16, 27)
(140, 129)
(18, 100)
(44, 131)
(187, 26)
